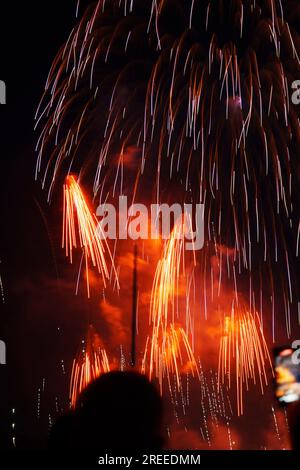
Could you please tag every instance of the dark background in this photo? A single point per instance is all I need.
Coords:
(31, 34)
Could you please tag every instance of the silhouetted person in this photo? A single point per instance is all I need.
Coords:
(118, 411)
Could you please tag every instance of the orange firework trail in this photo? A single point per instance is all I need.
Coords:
(170, 353)
(243, 349)
(94, 246)
(166, 284)
(166, 280)
(90, 364)
(168, 343)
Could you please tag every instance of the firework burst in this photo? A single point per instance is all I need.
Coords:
(92, 361)
(202, 90)
(244, 352)
(169, 343)
(165, 289)
(76, 213)
(170, 354)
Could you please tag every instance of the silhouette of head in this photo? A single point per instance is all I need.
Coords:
(119, 410)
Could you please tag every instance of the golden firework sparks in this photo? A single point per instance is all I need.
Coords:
(170, 354)
(78, 218)
(243, 351)
(91, 362)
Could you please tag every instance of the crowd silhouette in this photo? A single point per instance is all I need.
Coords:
(124, 411)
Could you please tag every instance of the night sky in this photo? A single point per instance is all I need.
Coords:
(31, 34)
(41, 321)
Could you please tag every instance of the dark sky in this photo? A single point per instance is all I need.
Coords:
(31, 34)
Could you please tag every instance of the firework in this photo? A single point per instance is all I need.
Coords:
(202, 90)
(166, 341)
(171, 277)
(165, 287)
(92, 244)
(91, 362)
(244, 352)
(170, 354)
